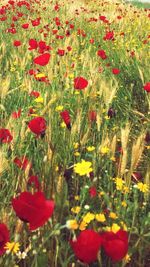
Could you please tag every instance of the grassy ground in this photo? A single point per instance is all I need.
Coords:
(106, 124)
(141, 5)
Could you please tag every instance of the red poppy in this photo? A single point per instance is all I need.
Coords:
(25, 25)
(115, 71)
(17, 43)
(66, 118)
(35, 22)
(92, 115)
(92, 191)
(35, 94)
(34, 209)
(80, 83)
(37, 125)
(22, 163)
(42, 60)
(115, 244)
(33, 44)
(101, 54)
(4, 237)
(61, 52)
(5, 136)
(109, 36)
(86, 246)
(147, 87)
(16, 114)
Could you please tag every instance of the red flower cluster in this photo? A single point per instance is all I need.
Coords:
(33, 209)
(42, 60)
(88, 243)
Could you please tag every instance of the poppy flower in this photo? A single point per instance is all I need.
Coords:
(109, 36)
(86, 246)
(5, 136)
(4, 237)
(35, 94)
(37, 125)
(147, 87)
(92, 115)
(61, 52)
(42, 60)
(80, 83)
(115, 71)
(92, 191)
(33, 44)
(115, 244)
(101, 54)
(66, 118)
(17, 43)
(22, 162)
(35, 22)
(25, 25)
(16, 114)
(34, 209)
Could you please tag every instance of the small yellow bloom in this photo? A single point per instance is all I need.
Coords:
(104, 150)
(77, 197)
(76, 92)
(40, 75)
(127, 258)
(82, 226)
(83, 168)
(76, 209)
(90, 148)
(88, 217)
(113, 215)
(72, 224)
(63, 125)
(113, 158)
(124, 226)
(39, 100)
(59, 108)
(142, 187)
(75, 145)
(12, 247)
(100, 217)
(119, 183)
(115, 228)
(77, 154)
(124, 204)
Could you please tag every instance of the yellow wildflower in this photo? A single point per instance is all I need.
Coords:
(12, 247)
(113, 215)
(115, 228)
(124, 226)
(88, 217)
(76, 154)
(82, 226)
(63, 125)
(127, 258)
(72, 224)
(104, 150)
(90, 148)
(39, 100)
(142, 187)
(100, 217)
(75, 145)
(119, 183)
(77, 197)
(123, 203)
(76, 209)
(59, 108)
(40, 75)
(83, 168)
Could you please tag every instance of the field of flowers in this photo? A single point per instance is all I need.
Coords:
(74, 134)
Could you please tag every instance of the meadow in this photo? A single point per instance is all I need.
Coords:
(74, 134)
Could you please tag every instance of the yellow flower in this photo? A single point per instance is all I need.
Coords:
(88, 217)
(142, 187)
(72, 224)
(77, 154)
(12, 247)
(63, 125)
(100, 217)
(124, 226)
(82, 226)
(39, 100)
(75, 145)
(77, 197)
(76, 209)
(127, 258)
(115, 228)
(119, 183)
(113, 215)
(83, 168)
(90, 148)
(113, 158)
(40, 75)
(59, 108)
(123, 203)
(104, 150)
